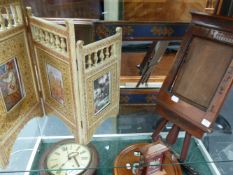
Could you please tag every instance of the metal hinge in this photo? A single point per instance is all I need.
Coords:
(40, 94)
(26, 21)
(81, 124)
(38, 82)
(77, 64)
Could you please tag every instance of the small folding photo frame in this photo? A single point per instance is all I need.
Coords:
(44, 71)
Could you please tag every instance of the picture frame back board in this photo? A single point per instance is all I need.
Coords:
(195, 89)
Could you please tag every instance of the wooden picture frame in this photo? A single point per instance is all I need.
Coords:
(12, 90)
(96, 60)
(201, 77)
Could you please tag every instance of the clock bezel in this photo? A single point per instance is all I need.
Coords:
(94, 161)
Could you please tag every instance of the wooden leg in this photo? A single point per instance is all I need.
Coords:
(185, 147)
(158, 128)
(143, 65)
(153, 57)
(173, 134)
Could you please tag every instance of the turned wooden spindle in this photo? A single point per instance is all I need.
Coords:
(89, 61)
(9, 17)
(19, 13)
(63, 45)
(36, 33)
(15, 15)
(57, 43)
(158, 128)
(41, 36)
(38, 37)
(46, 38)
(52, 40)
(95, 58)
(2, 20)
(101, 56)
(107, 52)
(33, 31)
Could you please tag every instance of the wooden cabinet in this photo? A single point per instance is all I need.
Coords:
(66, 8)
(161, 10)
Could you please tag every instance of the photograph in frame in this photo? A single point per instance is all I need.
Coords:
(101, 92)
(10, 84)
(55, 83)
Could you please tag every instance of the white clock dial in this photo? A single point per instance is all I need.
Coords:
(72, 157)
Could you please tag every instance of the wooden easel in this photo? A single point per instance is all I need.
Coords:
(202, 75)
(172, 137)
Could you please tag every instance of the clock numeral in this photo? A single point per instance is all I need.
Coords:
(52, 167)
(82, 152)
(64, 148)
(84, 158)
(57, 153)
(77, 148)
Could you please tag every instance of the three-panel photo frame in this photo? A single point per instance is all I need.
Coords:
(45, 71)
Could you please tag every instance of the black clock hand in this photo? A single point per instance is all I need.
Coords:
(66, 160)
(64, 163)
(76, 161)
(67, 154)
(69, 158)
(73, 154)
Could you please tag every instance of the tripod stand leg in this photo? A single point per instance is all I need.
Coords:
(185, 147)
(173, 134)
(158, 128)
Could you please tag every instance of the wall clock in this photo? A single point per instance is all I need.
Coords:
(69, 158)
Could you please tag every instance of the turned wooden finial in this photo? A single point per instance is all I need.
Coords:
(80, 43)
(119, 30)
(29, 11)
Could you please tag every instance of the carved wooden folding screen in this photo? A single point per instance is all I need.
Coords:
(42, 71)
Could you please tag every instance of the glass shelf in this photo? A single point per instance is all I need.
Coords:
(211, 155)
